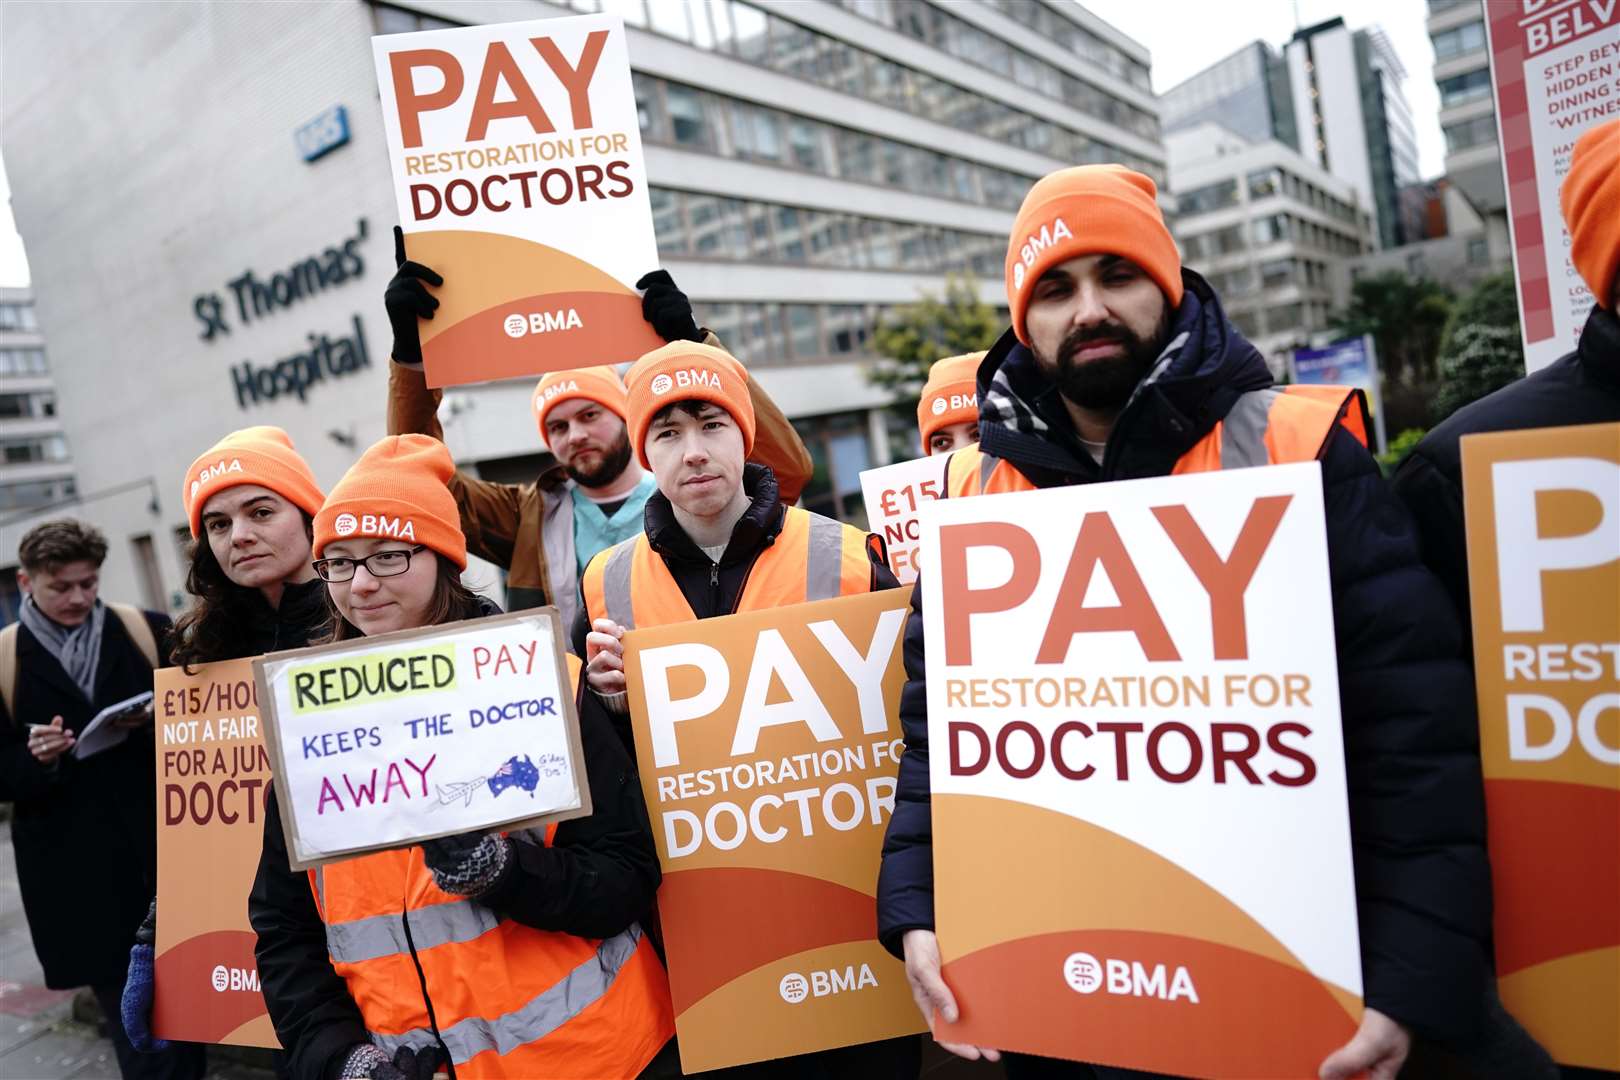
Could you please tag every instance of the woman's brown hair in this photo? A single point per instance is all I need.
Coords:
(451, 602)
(215, 626)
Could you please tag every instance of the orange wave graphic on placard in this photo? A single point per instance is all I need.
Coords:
(748, 1019)
(1570, 1005)
(489, 277)
(976, 871)
(1254, 1017)
(188, 1005)
(702, 910)
(1555, 869)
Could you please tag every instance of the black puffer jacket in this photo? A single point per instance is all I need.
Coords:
(1582, 387)
(1407, 698)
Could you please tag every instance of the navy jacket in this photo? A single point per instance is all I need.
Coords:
(1416, 801)
(1582, 387)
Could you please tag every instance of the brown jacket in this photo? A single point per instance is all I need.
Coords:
(505, 523)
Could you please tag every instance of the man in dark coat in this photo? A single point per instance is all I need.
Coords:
(84, 829)
(1581, 387)
(1119, 363)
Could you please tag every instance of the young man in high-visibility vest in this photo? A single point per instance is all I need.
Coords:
(1151, 379)
(718, 540)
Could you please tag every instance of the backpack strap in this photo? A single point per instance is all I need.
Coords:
(138, 629)
(8, 669)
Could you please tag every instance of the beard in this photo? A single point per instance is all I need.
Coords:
(614, 460)
(1106, 384)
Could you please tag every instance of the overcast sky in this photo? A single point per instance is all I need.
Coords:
(1185, 36)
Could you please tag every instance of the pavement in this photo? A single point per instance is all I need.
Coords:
(40, 1038)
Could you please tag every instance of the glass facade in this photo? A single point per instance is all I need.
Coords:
(1479, 131)
(713, 226)
(1458, 40)
(765, 37)
(24, 361)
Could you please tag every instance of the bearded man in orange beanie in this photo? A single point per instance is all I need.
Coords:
(1581, 387)
(1121, 364)
(542, 533)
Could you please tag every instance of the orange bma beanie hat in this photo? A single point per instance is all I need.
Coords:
(398, 490)
(687, 371)
(1089, 210)
(255, 455)
(599, 384)
(950, 396)
(1590, 199)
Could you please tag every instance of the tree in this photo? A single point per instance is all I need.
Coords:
(916, 335)
(1406, 317)
(1482, 350)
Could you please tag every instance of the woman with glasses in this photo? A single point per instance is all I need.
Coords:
(500, 955)
(251, 502)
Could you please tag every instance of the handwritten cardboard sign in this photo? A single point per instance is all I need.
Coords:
(1141, 834)
(213, 779)
(767, 746)
(517, 164)
(895, 495)
(1543, 519)
(385, 741)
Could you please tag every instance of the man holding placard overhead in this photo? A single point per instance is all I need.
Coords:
(544, 533)
(1120, 364)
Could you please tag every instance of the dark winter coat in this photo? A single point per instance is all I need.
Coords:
(1416, 804)
(85, 832)
(1582, 387)
(598, 876)
(301, 614)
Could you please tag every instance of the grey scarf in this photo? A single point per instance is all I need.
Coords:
(76, 648)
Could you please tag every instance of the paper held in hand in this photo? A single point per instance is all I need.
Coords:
(386, 741)
(103, 731)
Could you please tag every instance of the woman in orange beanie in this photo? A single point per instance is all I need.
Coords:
(523, 953)
(948, 411)
(251, 501)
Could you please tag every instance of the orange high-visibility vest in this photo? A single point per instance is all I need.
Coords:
(813, 558)
(507, 1000)
(1277, 426)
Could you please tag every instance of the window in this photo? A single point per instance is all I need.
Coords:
(1271, 229)
(30, 450)
(804, 332)
(1462, 39)
(669, 224)
(23, 361)
(688, 123)
(17, 317)
(1276, 273)
(1479, 131)
(1469, 86)
(146, 566)
(1212, 197)
(1265, 182)
(1479, 252)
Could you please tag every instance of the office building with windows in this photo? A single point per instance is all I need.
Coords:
(1332, 94)
(1273, 233)
(813, 166)
(1462, 73)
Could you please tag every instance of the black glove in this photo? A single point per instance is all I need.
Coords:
(417, 1064)
(667, 308)
(408, 300)
(468, 864)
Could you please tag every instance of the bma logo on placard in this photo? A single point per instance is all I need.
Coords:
(542, 322)
(1085, 974)
(795, 987)
(240, 979)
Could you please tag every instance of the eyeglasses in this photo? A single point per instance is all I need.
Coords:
(378, 564)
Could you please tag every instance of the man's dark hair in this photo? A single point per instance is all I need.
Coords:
(692, 407)
(54, 544)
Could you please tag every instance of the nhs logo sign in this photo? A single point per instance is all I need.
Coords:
(323, 134)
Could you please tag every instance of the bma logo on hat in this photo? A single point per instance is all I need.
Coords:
(939, 405)
(210, 472)
(1037, 242)
(569, 387)
(345, 524)
(662, 384)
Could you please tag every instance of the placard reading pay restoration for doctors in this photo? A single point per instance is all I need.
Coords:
(390, 740)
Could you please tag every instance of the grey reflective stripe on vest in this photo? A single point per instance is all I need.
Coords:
(542, 1015)
(360, 940)
(616, 583)
(987, 465)
(1243, 430)
(824, 573)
